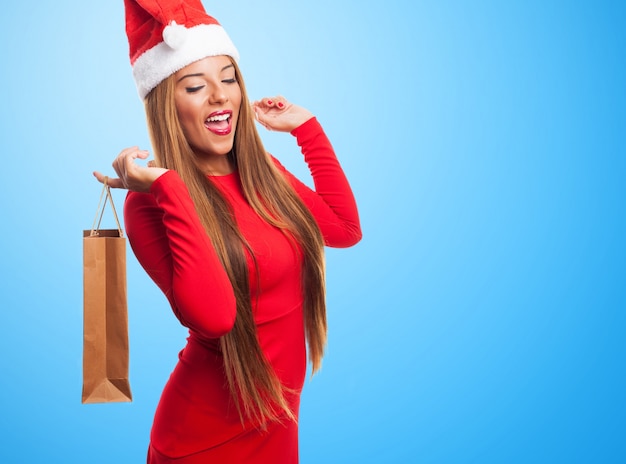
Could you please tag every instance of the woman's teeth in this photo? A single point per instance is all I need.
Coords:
(217, 118)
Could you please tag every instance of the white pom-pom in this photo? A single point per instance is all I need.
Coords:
(175, 35)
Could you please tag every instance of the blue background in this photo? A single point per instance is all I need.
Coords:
(480, 320)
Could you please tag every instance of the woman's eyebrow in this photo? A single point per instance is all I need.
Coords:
(190, 75)
(202, 74)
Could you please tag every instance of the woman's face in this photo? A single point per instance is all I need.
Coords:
(208, 98)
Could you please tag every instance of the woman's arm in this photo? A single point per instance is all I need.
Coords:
(171, 244)
(332, 202)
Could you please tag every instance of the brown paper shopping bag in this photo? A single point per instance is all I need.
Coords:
(105, 312)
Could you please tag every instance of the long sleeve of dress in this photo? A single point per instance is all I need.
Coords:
(332, 202)
(169, 241)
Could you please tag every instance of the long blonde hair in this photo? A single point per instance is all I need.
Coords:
(256, 390)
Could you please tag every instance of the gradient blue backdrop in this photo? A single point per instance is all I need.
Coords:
(480, 320)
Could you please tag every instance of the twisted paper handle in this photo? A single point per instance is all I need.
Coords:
(106, 195)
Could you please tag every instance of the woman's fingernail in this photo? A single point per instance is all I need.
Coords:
(270, 102)
(280, 104)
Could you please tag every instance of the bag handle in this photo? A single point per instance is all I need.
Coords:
(106, 194)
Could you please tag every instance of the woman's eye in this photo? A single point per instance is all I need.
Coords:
(229, 81)
(193, 89)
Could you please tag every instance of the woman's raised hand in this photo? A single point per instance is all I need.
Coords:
(277, 114)
(131, 175)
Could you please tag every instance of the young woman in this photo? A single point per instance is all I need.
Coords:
(235, 242)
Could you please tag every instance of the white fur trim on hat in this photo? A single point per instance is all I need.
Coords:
(186, 46)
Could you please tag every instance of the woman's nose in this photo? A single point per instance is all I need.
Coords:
(217, 96)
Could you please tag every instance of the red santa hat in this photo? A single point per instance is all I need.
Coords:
(164, 36)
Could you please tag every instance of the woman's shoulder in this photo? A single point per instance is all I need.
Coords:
(139, 203)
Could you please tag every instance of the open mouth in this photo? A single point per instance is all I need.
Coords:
(219, 122)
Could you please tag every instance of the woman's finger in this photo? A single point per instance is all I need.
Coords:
(124, 165)
(112, 182)
(277, 102)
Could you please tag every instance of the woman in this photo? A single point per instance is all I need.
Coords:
(235, 242)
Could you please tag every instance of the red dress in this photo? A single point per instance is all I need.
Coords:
(196, 420)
